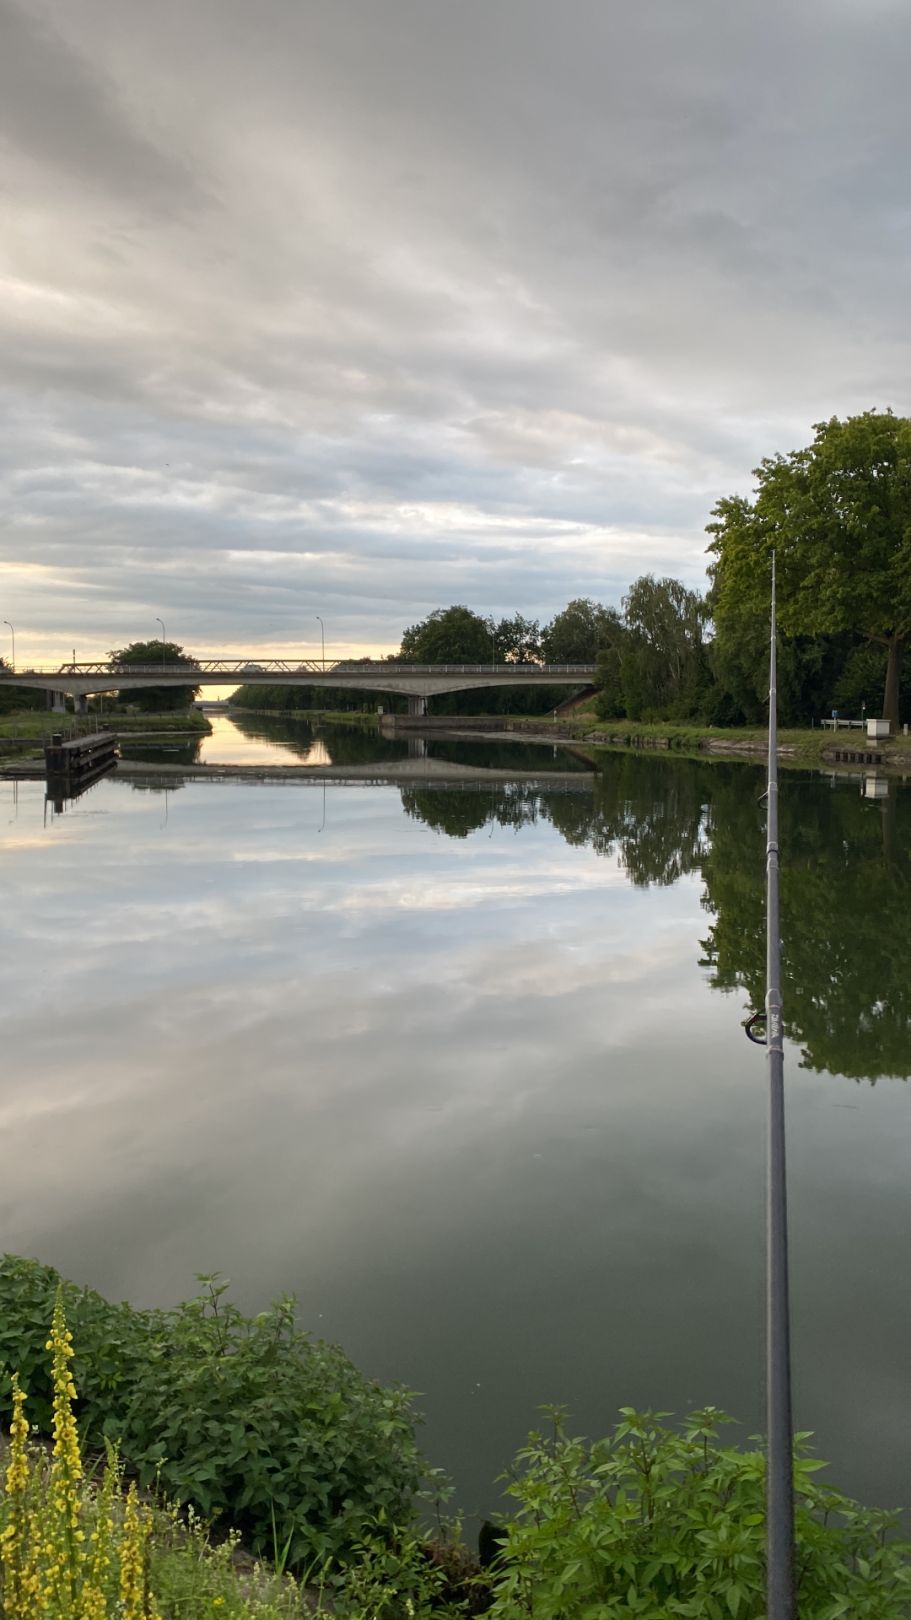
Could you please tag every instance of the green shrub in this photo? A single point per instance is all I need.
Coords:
(657, 1523)
(248, 1418)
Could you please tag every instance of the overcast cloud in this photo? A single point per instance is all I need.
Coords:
(362, 307)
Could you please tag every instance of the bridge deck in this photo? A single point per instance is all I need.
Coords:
(271, 669)
(418, 681)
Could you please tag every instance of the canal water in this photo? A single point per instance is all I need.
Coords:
(264, 739)
(462, 1067)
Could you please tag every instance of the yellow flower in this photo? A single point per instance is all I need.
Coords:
(48, 1568)
(17, 1473)
(64, 1552)
(136, 1601)
(18, 1544)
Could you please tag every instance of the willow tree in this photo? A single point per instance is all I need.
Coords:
(838, 515)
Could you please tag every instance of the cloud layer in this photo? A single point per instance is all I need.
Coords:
(362, 309)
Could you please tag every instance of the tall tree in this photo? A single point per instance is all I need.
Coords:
(611, 699)
(579, 633)
(453, 635)
(518, 640)
(663, 666)
(838, 515)
(156, 654)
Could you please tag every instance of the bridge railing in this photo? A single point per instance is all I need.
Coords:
(250, 671)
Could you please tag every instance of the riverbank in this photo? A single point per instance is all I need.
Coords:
(814, 746)
(365, 719)
(818, 747)
(328, 1488)
(24, 733)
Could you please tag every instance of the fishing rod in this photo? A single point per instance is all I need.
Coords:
(765, 1028)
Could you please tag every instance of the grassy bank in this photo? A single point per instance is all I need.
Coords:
(24, 733)
(815, 746)
(41, 722)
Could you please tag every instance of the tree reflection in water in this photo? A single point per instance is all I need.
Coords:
(845, 916)
(845, 885)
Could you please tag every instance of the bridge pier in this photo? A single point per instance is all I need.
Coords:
(56, 702)
(417, 706)
(80, 703)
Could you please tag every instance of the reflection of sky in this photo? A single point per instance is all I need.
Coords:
(470, 1099)
(228, 745)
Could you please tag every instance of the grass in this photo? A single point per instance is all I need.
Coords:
(799, 745)
(30, 727)
(42, 722)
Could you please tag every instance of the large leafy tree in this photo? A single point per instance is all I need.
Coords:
(580, 632)
(518, 640)
(611, 698)
(810, 670)
(838, 516)
(453, 635)
(14, 698)
(663, 666)
(654, 663)
(156, 654)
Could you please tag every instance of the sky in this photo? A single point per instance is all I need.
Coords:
(359, 308)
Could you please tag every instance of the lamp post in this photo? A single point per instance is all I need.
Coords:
(13, 634)
(322, 630)
(493, 648)
(164, 637)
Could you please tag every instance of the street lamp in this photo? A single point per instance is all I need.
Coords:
(13, 634)
(322, 629)
(164, 635)
(493, 648)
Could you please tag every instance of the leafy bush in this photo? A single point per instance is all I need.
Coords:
(655, 1523)
(249, 1418)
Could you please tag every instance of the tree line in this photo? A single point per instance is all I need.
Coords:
(836, 513)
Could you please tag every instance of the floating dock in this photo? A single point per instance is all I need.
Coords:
(72, 765)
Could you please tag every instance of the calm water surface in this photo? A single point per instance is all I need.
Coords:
(262, 739)
(458, 1068)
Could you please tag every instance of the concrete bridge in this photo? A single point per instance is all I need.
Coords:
(417, 682)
